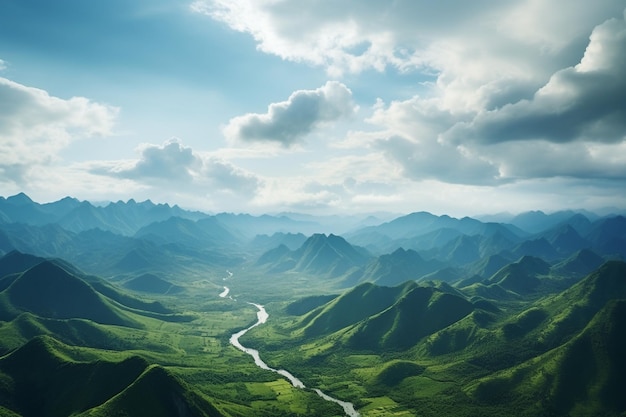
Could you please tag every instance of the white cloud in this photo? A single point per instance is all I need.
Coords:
(584, 102)
(177, 167)
(3, 65)
(289, 121)
(35, 126)
(352, 35)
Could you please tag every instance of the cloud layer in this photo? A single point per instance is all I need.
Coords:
(177, 167)
(288, 122)
(35, 126)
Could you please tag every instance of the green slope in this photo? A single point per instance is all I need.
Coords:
(47, 290)
(583, 377)
(156, 393)
(420, 312)
(42, 379)
(351, 307)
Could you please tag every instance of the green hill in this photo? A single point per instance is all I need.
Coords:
(331, 255)
(583, 377)
(150, 283)
(41, 379)
(397, 267)
(47, 290)
(420, 312)
(522, 276)
(579, 264)
(16, 261)
(351, 307)
(156, 393)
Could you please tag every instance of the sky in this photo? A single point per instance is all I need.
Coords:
(316, 106)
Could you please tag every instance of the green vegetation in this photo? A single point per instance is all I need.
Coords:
(480, 332)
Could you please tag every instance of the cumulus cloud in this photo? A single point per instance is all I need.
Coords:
(572, 126)
(171, 162)
(35, 126)
(522, 90)
(353, 35)
(176, 166)
(289, 121)
(583, 102)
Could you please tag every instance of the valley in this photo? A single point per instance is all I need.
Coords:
(145, 309)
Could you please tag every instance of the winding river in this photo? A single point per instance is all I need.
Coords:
(262, 317)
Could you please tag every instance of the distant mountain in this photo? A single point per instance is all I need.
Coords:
(16, 261)
(538, 221)
(264, 242)
(523, 276)
(608, 236)
(539, 248)
(322, 255)
(488, 266)
(208, 232)
(279, 257)
(462, 250)
(73, 215)
(579, 264)
(397, 267)
(424, 231)
(21, 209)
(249, 226)
(448, 274)
(565, 239)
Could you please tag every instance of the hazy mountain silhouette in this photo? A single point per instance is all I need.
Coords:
(321, 255)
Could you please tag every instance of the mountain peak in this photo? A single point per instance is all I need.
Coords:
(20, 199)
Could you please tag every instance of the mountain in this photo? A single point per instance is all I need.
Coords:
(322, 255)
(539, 248)
(249, 226)
(415, 229)
(447, 274)
(351, 307)
(462, 250)
(608, 236)
(264, 242)
(397, 267)
(16, 261)
(487, 266)
(157, 393)
(208, 232)
(47, 290)
(579, 264)
(565, 239)
(42, 379)
(150, 283)
(579, 364)
(538, 221)
(419, 313)
(21, 209)
(523, 276)
(122, 217)
(277, 256)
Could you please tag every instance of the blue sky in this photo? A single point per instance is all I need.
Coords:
(316, 106)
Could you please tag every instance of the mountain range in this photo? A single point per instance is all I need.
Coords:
(128, 309)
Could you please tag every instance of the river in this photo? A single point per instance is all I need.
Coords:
(262, 317)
